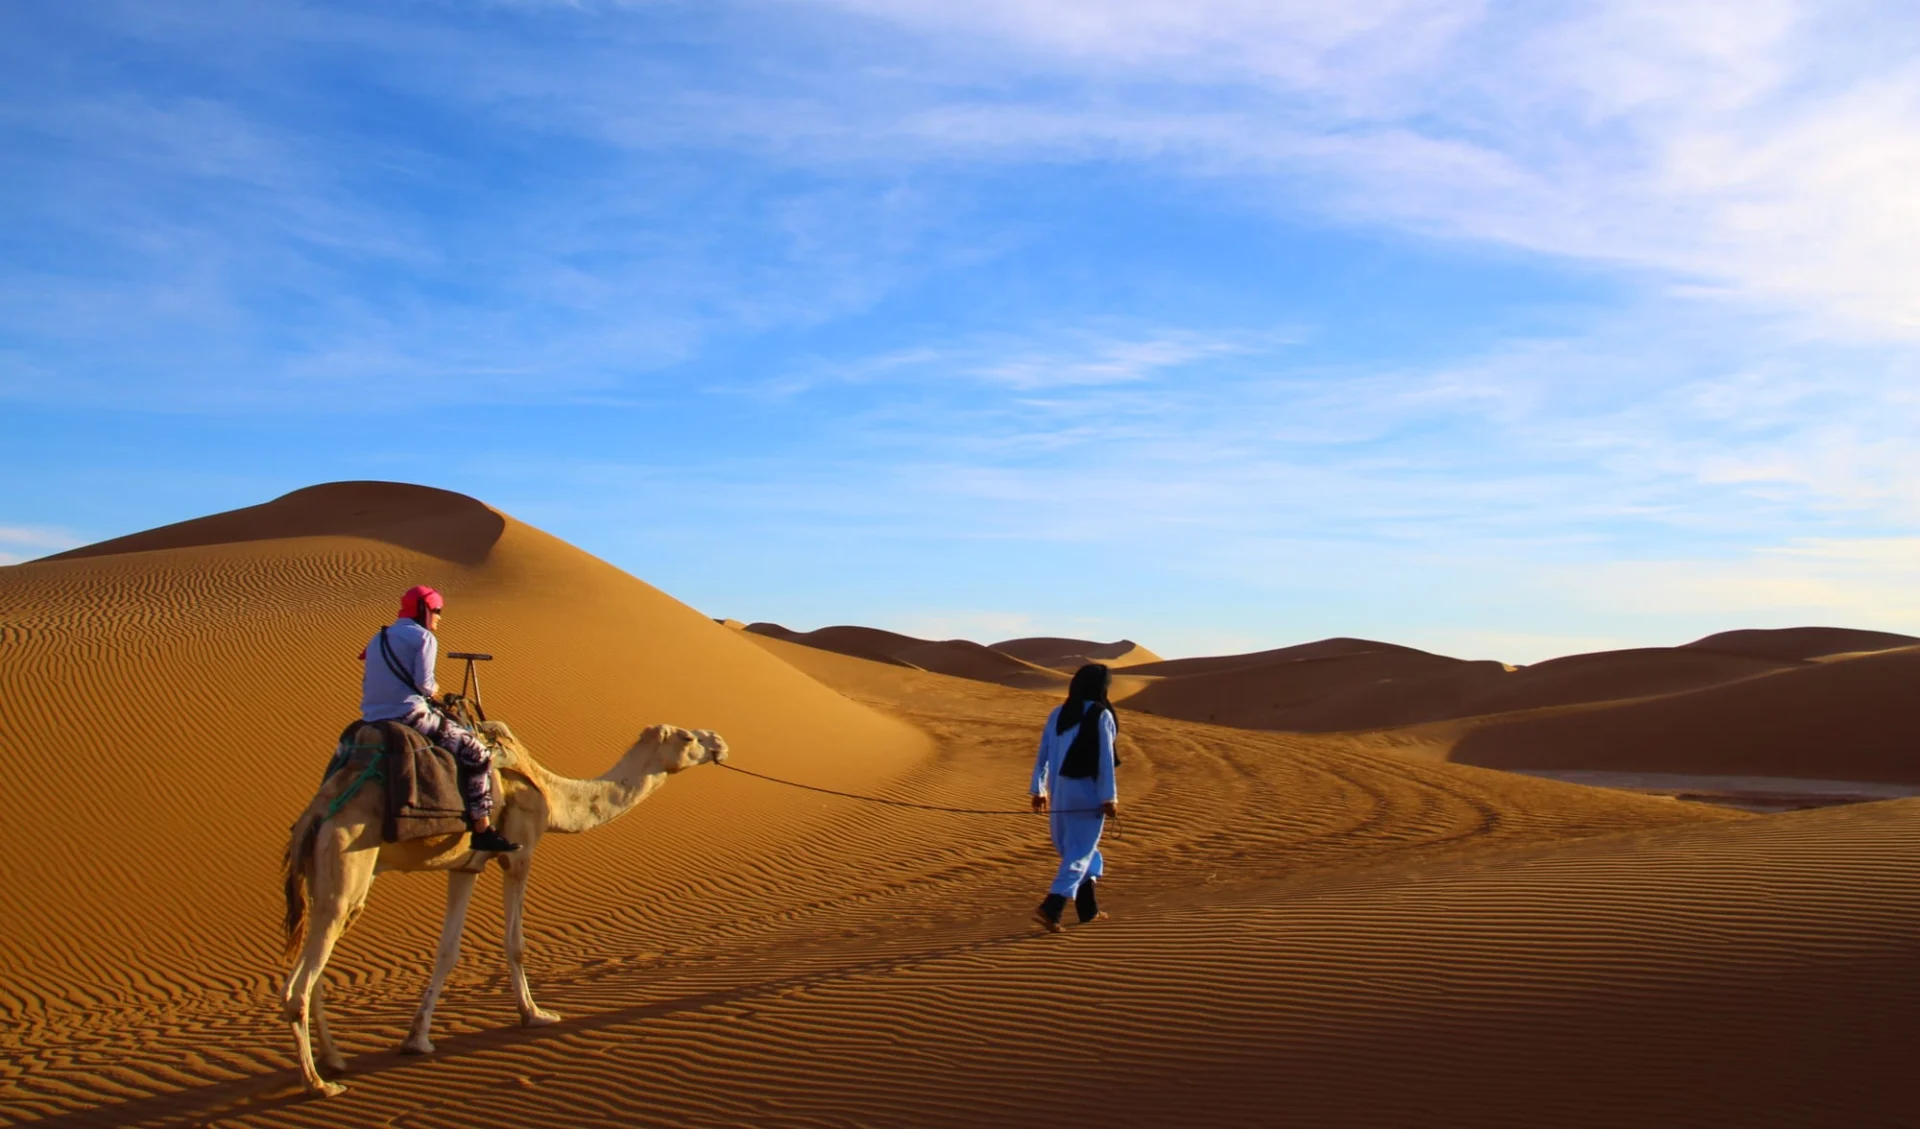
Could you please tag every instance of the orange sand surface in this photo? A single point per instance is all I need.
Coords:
(1308, 929)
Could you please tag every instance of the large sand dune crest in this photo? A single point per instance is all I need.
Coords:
(437, 523)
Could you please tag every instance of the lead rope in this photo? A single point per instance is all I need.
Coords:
(909, 803)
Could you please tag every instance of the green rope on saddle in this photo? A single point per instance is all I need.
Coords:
(371, 772)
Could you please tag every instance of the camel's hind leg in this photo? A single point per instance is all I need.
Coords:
(459, 894)
(337, 882)
(515, 896)
(328, 1054)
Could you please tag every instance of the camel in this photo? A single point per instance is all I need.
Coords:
(331, 863)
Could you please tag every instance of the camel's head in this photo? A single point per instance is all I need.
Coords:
(681, 749)
(714, 744)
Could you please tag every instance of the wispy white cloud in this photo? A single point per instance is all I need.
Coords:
(1101, 363)
(25, 542)
(951, 623)
(1762, 149)
(1865, 581)
(1067, 361)
(1274, 40)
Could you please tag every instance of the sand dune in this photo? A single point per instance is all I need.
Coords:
(1346, 684)
(437, 523)
(1751, 707)
(1337, 684)
(1319, 649)
(1612, 676)
(1351, 684)
(170, 707)
(1799, 644)
(1069, 655)
(1307, 930)
(1853, 719)
(958, 657)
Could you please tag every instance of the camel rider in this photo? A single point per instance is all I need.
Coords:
(399, 685)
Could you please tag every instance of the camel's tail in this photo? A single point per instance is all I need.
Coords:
(294, 870)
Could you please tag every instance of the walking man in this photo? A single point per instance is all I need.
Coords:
(1073, 781)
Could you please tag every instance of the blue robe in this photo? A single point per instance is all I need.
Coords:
(1076, 830)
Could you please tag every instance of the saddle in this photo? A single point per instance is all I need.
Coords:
(420, 782)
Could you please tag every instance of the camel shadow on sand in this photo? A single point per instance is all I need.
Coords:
(264, 1093)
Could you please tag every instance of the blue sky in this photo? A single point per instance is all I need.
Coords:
(1219, 324)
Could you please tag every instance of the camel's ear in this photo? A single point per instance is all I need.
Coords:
(655, 733)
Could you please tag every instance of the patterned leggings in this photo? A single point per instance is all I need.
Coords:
(476, 782)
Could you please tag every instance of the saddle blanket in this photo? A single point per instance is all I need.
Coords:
(420, 782)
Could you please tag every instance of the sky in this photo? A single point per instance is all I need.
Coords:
(1504, 330)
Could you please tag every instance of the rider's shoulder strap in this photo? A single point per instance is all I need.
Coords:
(393, 664)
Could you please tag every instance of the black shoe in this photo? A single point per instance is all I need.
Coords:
(491, 840)
(1086, 903)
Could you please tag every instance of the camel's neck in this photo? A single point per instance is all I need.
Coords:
(582, 805)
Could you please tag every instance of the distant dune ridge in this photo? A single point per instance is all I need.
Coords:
(957, 657)
(1027, 664)
(1337, 684)
(1792, 644)
(1068, 655)
(1855, 719)
(1314, 927)
(1822, 712)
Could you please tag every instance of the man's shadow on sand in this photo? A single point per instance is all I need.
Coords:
(267, 1092)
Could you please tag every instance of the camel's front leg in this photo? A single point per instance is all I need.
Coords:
(459, 893)
(531, 1015)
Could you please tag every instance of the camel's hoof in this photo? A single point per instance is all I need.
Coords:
(539, 1018)
(327, 1090)
(420, 1046)
(334, 1065)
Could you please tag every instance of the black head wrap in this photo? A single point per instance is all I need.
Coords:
(1086, 698)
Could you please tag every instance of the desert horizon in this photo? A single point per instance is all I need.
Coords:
(1334, 899)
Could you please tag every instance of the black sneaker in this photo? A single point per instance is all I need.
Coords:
(491, 840)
